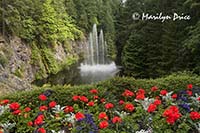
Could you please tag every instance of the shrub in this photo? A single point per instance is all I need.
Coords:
(96, 111)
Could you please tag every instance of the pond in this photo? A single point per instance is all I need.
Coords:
(81, 74)
(96, 66)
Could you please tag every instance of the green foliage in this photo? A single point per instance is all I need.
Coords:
(132, 121)
(151, 48)
(115, 86)
(37, 62)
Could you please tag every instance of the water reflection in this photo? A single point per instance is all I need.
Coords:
(81, 74)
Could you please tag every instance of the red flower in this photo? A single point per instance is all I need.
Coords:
(16, 112)
(109, 105)
(171, 114)
(121, 102)
(174, 96)
(163, 92)
(103, 115)
(141, 91)
(157, 102)
(103, 100)
(198, 98)
(41, 130)
(52, 104)
(154, 88)
(39, 120)
(96, 97)
(103, 124)
(14, 106)
(127, 93)
(140, 97)
(91, 103)
(94, 91)
(83, 99)
(30, 123)
(189, 86)
(151, 108)
(68, 109)
(129, 107)
(41, 117)
(42, 97)
(157, 97)
(79, 116)
(75, 98)
(116, 119)
(4, 102)
(189, 93)
(27, 109)
(194, 115)
(43, 108)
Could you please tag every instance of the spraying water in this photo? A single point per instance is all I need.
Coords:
(96, 64)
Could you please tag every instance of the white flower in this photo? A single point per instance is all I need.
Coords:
(7, 126)
(146, 102)
(168, 96)
(70, 118)
(143, 131)
(58, 109)
(122, 114)
(3, 109)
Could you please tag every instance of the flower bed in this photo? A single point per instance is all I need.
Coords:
(156, 110)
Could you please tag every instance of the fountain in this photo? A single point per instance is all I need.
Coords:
(97, 66)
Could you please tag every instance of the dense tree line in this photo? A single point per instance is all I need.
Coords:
(151, 48)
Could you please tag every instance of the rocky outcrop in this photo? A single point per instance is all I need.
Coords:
(21, 63)
(10, 83)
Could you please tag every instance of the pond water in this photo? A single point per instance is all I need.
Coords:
(95, 67)
(81, 74)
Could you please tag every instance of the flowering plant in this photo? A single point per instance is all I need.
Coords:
(132, 111)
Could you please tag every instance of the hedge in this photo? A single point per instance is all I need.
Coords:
(111, 88)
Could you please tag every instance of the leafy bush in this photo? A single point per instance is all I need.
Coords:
(97, 110)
